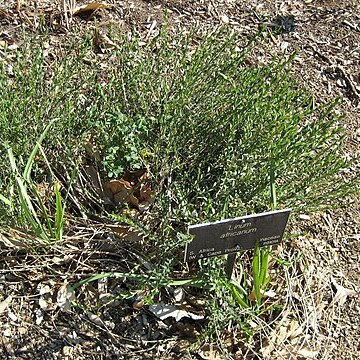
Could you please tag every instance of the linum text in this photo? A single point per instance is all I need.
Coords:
(241, 229)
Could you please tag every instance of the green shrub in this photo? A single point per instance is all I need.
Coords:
(215, 128)
(207, 126)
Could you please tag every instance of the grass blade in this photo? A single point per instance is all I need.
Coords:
(264, 257)
(256, 274)
(272, 186)
(30, 162)
(44, 211)
(25, 201)
(238, 293)
(106, 275)
(5, 200)
(59, 215)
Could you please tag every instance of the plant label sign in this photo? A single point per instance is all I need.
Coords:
(234, 235)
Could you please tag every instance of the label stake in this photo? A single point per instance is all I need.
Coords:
(230, 262)
(227, 237)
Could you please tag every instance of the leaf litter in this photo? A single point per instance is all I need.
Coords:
(291, 329)
(133, 188)
(342, 293)
(89, 9)
(165, 311)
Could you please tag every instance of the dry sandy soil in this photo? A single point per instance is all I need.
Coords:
(327, 38)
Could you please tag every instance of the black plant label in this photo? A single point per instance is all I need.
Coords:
(234, 235)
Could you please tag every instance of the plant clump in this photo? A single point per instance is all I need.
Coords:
(212, 133)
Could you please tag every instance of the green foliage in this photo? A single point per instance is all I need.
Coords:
(31, 210)
(33, 94)
(214, 133)
(215, 128)
(122, 138)
(207, 127)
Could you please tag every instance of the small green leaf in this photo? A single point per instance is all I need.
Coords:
(5, 200)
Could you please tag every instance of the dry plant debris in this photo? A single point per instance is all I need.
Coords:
(36, 319)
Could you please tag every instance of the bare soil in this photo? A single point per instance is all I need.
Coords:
(326, 36)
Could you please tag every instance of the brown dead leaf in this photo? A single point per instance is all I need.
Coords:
(118, 191)
(97, 42)
(306, 353)
(146, 193)
(133, 200)
(121, 192)
(5, 304)
(45, 191)
(132, 189)
(89, 9)
(285, 336)
(294, 329)
(116, 186)
(341, 293)
(252, 296)
(64, 297)
(294, 352)
(187, 329)
(136, 176)
(139, 300)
